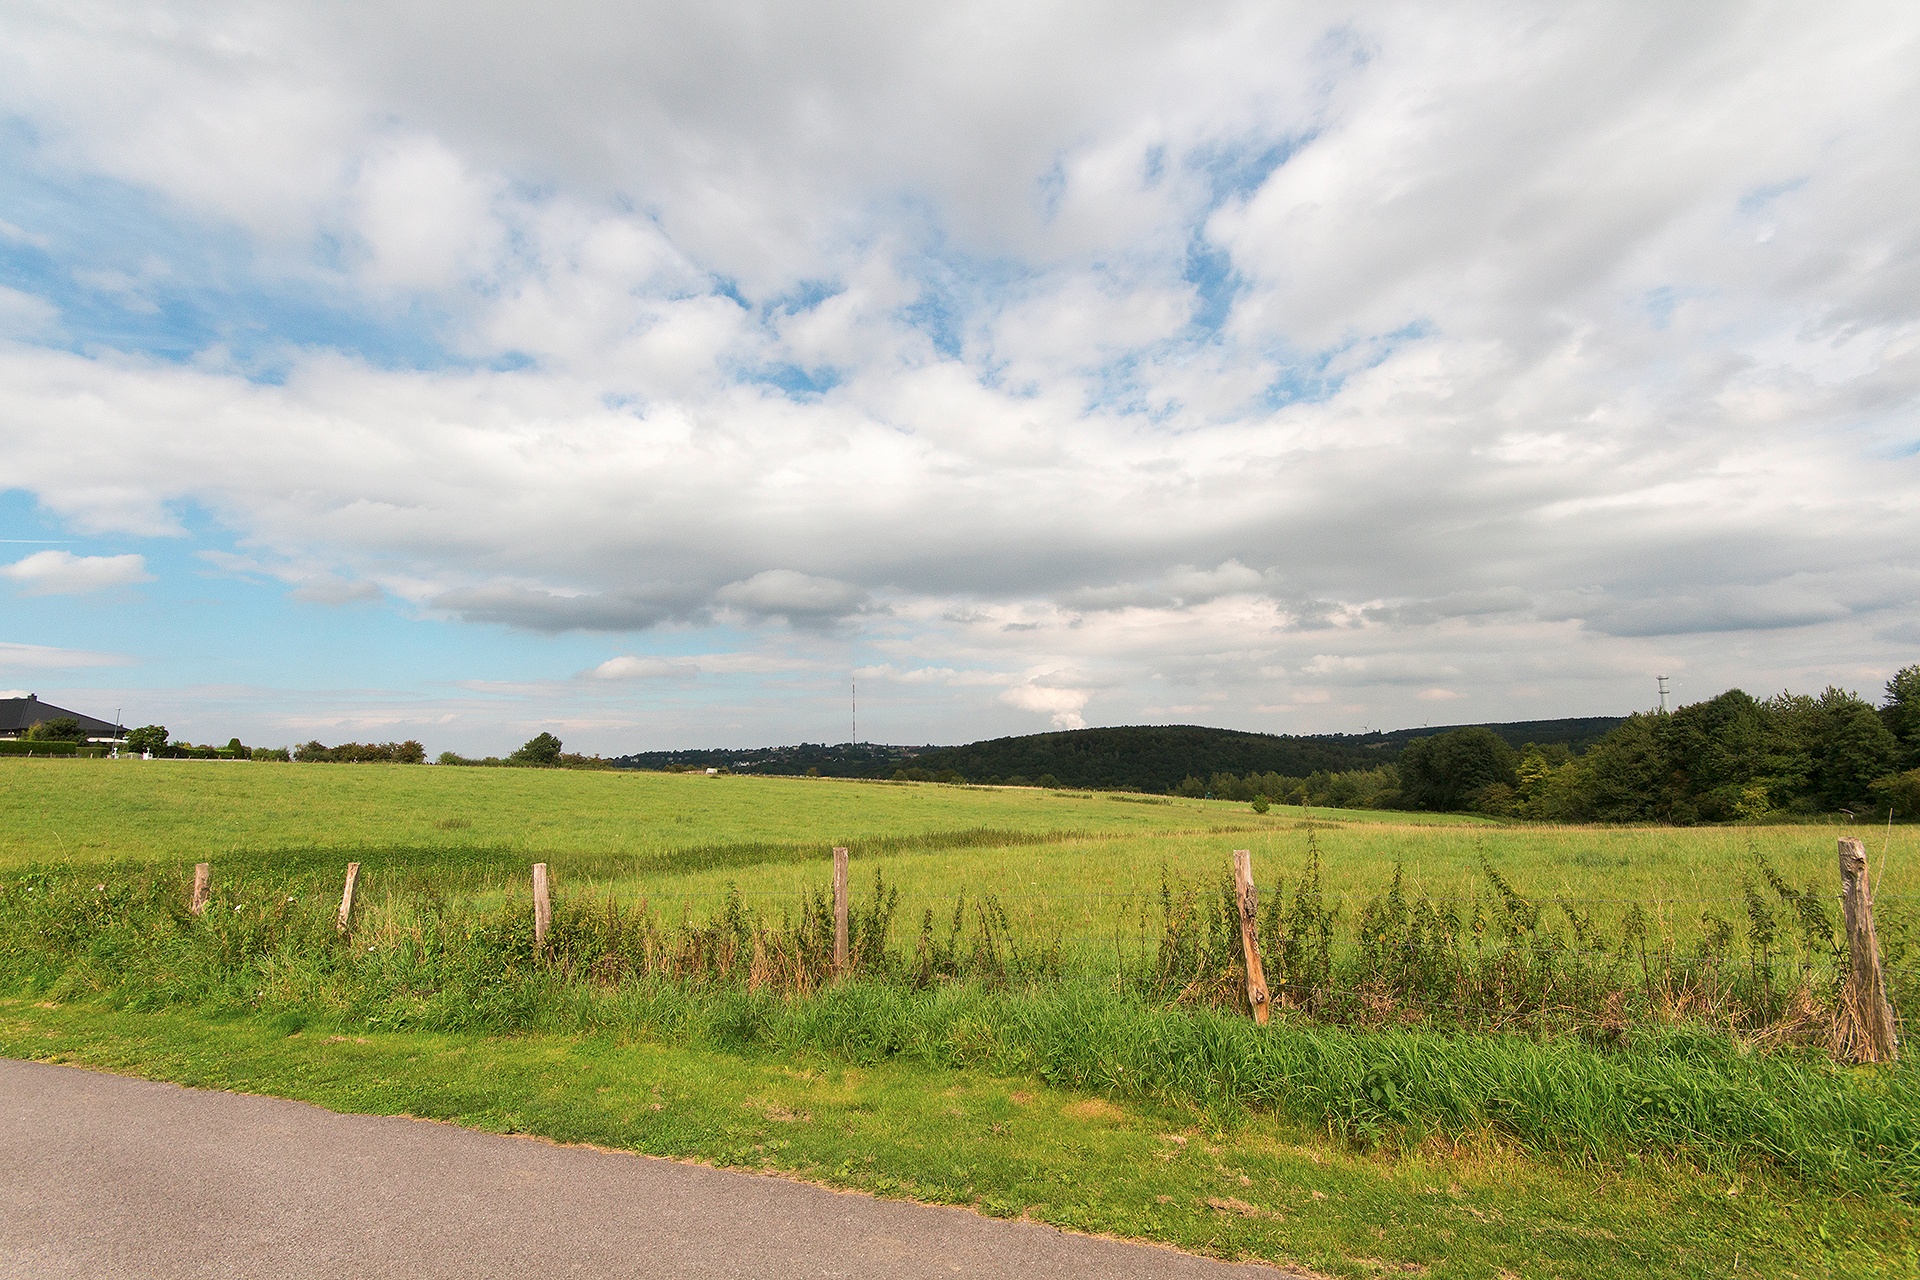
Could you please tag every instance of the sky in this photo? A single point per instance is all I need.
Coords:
(650, 373)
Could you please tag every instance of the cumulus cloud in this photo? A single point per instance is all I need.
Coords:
(539, 609)
(1061, 706)
(631, 667)
(1180, 585)
(1299, 356)
(799, 598)
(61, 573)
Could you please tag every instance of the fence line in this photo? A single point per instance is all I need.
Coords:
(1218, 939)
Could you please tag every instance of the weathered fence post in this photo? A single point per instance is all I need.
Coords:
(202, 887)
(1866, 1016)
(1250, 932)
(542, 906)
(839, 912)
(346, 895)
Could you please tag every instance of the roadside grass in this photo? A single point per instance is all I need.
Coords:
(1580, 1075)
(1229, 1183)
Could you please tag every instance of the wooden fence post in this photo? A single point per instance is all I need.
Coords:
(202, 887)
(346, 895)
(1866, 1017)
(1250, 932)
(542, 906)
(839, 912)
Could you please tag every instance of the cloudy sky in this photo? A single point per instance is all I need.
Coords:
(645, 371)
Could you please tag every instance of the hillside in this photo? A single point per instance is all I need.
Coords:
(1151, 758)
(843, 760)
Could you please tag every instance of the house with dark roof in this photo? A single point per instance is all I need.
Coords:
(17, 715)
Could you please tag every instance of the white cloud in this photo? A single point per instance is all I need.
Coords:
(22, 315)
(331, 590)
(61, 573)
(630, 667)
(425, 220)
(1298, 356)
(797, 597)
(311, 583)
(1061, 706)
(20, 235)
(39, 657)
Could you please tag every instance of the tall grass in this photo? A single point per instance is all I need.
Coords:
(1380, 1034)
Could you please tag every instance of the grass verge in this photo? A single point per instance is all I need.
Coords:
(1234, 1185)
(1674, 1091)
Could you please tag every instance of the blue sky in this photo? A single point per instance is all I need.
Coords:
(1296, 368)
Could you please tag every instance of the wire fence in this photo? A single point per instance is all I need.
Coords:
(1772, 961)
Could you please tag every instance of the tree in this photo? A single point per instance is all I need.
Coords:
(1853, 750)
(58, 729)
(1454, 770)
(1626, 772)
(1899, 792)
(542, 749)
(1901, 713)
(148, 740)
(1718, 751)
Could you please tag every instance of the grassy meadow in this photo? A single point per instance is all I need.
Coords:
(1058, 856)
(1065, 1086)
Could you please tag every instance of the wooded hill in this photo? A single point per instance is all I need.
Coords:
(1153, 758)
(842, 760)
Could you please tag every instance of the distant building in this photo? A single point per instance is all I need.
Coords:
(17, 715)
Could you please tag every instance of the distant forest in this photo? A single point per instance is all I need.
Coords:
(1727, 758)
(1152, 758)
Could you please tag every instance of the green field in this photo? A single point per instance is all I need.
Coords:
(675, 836)
(1058, 1094)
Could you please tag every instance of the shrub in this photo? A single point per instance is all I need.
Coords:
(58, 729)
(148, 739)
(543, 750)
(1900, 792)
(27, 747)
(408, 752)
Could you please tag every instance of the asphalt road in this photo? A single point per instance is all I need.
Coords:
(104, 1176)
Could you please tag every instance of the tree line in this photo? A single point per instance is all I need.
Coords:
(543, 750)
(1728, 758)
